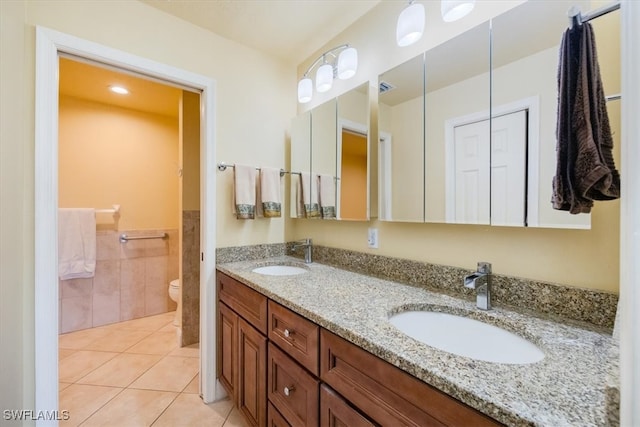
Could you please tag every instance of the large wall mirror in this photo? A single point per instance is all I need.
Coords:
(330, 159)
(457, 138)
(323, 158)
(476, 117)
(526, 44)
(401, 145)
(352, 152)
(300, 162)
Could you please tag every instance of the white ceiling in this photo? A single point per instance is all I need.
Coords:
(291, 30)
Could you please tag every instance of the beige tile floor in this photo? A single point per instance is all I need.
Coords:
(133, 374)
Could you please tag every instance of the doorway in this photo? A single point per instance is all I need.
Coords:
(352, 161)
(50, 45)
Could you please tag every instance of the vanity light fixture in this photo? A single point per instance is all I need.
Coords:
(452, 10)
(410, 24)
(343, 65)
(119, 90)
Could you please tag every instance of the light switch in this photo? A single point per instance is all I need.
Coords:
(372, 238)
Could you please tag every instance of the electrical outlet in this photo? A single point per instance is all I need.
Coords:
(372, 238)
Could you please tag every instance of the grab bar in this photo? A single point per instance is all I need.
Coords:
(124, 238)
(115, 210)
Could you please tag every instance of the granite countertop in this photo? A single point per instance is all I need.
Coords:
(566, 388)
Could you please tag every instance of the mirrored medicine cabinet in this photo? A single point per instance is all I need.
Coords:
(467, 129)
(331, 142)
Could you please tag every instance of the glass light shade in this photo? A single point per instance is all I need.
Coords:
(452, 10)
(305, 90)
(324, 78)
(347, 63)
(410, 25)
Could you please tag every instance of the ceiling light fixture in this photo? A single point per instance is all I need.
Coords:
(410, 24)
(119, 90)
(344, 66)
(452, 10)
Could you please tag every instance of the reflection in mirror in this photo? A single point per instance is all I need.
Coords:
(457, 105)
(300, 160)
(401, 145)
(353, 157)
(526, 43)
(323, 158)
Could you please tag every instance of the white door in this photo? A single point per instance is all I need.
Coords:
(508, 169)
(472, 185)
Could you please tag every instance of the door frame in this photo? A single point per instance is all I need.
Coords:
(49, 45)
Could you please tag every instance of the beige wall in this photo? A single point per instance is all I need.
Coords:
(253, 113)
(583, 258)
(110, 155)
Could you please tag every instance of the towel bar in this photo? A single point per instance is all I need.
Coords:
(222, 166)
(124, 238)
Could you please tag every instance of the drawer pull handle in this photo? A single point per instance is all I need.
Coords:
(288, 390)
(288, 333)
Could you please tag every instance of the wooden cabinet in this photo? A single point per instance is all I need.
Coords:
(242, 347)
(388, 395)
(282, 370)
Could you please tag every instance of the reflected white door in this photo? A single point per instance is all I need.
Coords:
(508, 169)
(472, 186)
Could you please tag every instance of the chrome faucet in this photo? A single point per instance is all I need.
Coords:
(481, 282)
(306, 244)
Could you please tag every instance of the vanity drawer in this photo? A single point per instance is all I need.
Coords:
(275, 418)
(388, 395)
(296, 335)
(291, 389)
(249, 304)
(336, 412)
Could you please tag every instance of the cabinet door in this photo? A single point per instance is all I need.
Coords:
(227, 348)
(336, 412)
(292, 390)
(252, 374)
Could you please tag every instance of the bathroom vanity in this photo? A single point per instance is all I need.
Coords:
(317, 348)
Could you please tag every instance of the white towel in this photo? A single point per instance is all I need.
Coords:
(244, 191)
(76, 243)
(270, 197)
(327, 190)
(309, 196)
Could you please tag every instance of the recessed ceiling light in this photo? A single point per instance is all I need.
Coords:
(119, 89)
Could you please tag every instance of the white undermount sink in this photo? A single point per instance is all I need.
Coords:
(279, 270)
(466, 337)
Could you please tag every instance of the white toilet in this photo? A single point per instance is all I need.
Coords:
(174, 294)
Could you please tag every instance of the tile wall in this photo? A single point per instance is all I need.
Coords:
(131, 281)
(190, 277)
